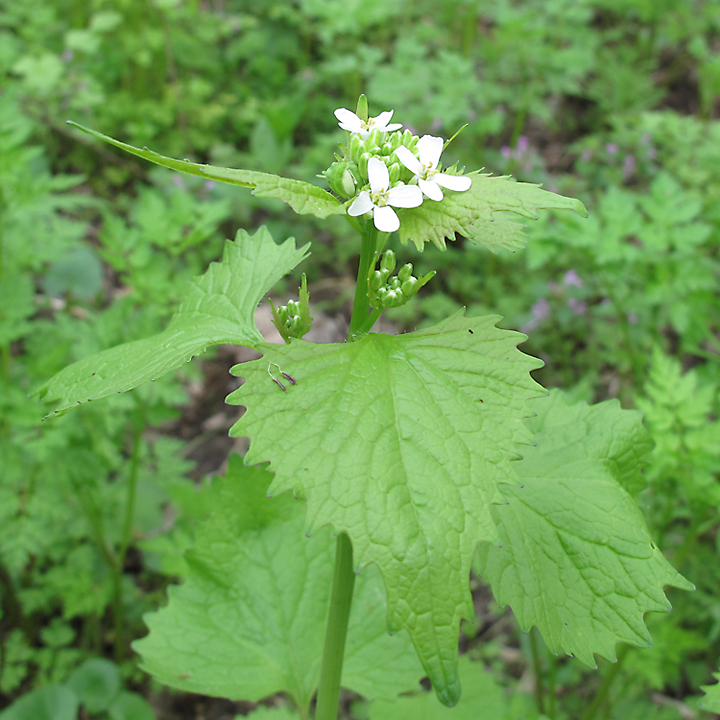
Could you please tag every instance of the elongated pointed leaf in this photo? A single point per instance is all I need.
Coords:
(250, 619)
(577, 560)
(473, 212)
(302, 197)
(218, 308)
(401, 441)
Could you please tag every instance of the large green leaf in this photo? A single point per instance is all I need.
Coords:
(577, 560)
(480, 213)
(218, 308)
(482, 699)
(401, 441)
(302, 197)
(250, 619)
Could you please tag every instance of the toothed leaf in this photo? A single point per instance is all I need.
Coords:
(218, 308)
(249, 621)
(400, 441)
(576, 558)
(472, 213)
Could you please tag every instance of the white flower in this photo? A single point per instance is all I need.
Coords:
(429, 178)
(382, 196)
(350, 121)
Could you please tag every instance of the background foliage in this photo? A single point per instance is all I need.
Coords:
(611, 101)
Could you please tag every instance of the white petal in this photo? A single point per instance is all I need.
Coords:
(393, 126)
(405, 156)
(378, 175)
(361, 204)
(348, 120)
(381, 121)
(430, 149)
(453, 182)
(405, 196)
(386, 220)
(431, 189)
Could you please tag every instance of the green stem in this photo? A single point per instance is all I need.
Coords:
(336, 631)
(552, 691)
(118, 604)
(537, 669)
(361, 303)
(604, 689)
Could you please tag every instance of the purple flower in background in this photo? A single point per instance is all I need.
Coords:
(611, 149)
(628, 166)
(540, 310)
(579, 307)
(572, 278)
(506, 151)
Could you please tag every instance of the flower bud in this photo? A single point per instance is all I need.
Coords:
(362, 108)
(336, 176)
(349, 183)
(388, 261)
(394, 171)
(405, 272)
(410, 287)
(376, 280)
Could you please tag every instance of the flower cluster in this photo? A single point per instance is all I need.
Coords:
(387, 290)
(383, 168)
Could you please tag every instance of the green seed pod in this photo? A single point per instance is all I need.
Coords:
(388, 261)
(405, 272)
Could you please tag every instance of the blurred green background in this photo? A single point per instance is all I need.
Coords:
(611, 101)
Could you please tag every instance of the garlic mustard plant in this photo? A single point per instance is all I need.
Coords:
(424, 454)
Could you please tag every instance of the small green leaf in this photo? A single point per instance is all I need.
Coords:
(96, 683)
(400, 441)
(250, 619)
(302, 197)
(473, 212)
(53, 702)
(482, 699)
(711, 699)
(576, 558)
(218, 308)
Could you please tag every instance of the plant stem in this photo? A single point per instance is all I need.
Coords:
(361, 303)
(604, 689)
(537, 669)
(118, 570)
(336, 631)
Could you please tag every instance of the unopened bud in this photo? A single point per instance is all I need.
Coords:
(362, 108)
(410, 287)
(388, 261)
(394, 171)
(405, 272)
(348, 183)
(376, 280)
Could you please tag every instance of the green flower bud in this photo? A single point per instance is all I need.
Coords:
(376, 281)
(394, 171)
(405, 272)
(394, 283)
(337, 176)
(362, 108)
(410, 287)
(388, 261)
